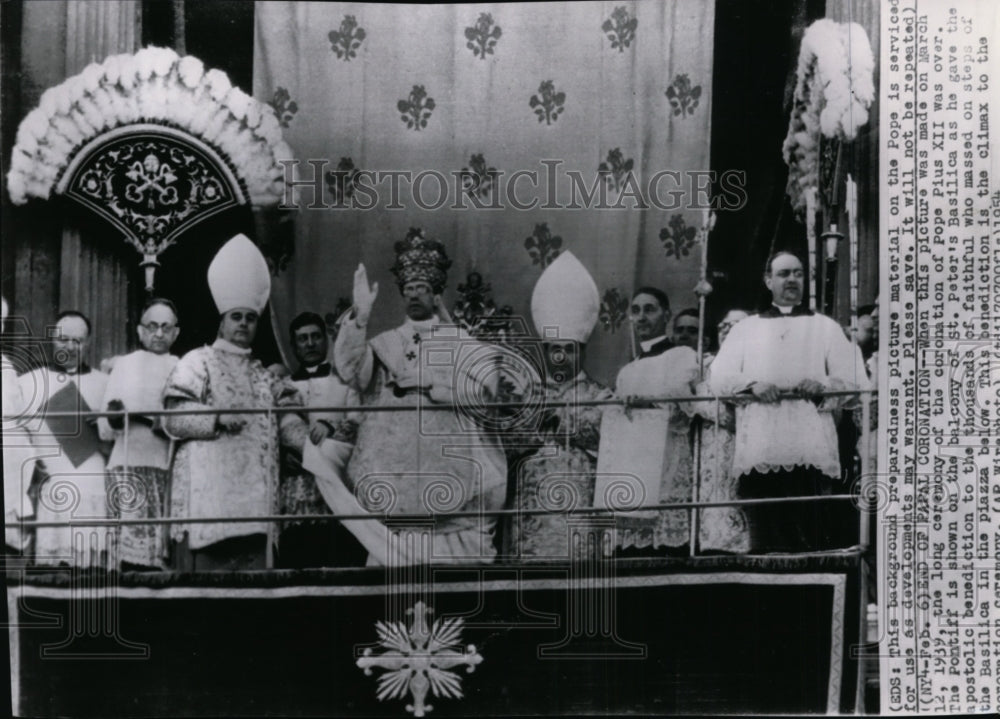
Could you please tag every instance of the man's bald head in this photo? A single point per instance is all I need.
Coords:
(70, 340)
(158, 328)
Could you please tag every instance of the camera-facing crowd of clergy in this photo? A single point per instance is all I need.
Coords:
(383, 433)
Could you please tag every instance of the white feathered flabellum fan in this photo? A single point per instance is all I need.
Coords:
(153, 143)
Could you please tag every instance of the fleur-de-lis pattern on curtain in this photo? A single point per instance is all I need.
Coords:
(482, 37)
(548, 103)
(615, 169)
(505, 101)
(347, 39)
(620, 28)
(417, 108)
(284, 106)
(614, 309)
(477, 178)
(340, 182)
(542, 245)
(678, 238)
(683, 96)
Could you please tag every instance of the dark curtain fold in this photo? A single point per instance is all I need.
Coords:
(757, 52)
(62, 265)
(10, 97)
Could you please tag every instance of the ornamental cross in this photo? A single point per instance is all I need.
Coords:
(418, 658)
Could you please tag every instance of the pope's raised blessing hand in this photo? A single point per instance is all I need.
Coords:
(364, 294)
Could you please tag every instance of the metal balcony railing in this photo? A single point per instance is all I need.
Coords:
(865, 398)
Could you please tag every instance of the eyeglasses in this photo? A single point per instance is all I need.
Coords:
(154, 327)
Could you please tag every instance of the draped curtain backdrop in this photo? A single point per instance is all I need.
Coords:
(59, 39)
(594, 86)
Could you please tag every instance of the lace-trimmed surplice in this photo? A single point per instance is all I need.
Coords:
(784, 350)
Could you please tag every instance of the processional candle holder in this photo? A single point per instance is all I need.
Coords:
(149, 264)
(831, 243)
(830, 167)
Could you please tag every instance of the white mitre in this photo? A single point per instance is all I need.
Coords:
(238, 276)
(565, 300)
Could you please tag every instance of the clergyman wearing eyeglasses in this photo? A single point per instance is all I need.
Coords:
(138, 476)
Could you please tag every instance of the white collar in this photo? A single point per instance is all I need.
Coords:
(423, 325)
(227, 346)
(647, 345)
(783, 309)
(153, 355)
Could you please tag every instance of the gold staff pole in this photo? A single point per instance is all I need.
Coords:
(851, 204)
(864, 482)
(811, 244)
(702, 289)
(851, 192)
(632, 342)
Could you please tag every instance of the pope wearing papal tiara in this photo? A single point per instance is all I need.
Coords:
(419, 462)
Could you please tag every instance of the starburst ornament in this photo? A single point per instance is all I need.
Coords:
(418, 657)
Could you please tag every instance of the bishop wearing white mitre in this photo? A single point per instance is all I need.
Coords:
(556, 473)
(227, 464)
